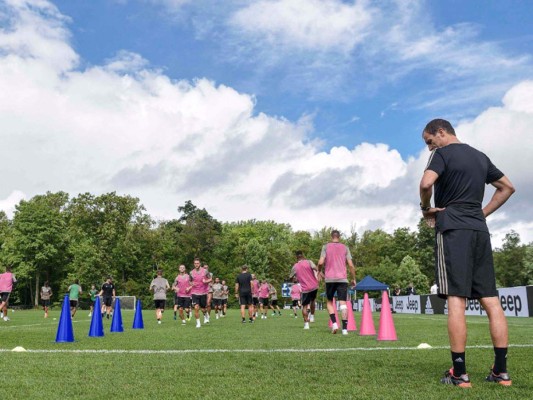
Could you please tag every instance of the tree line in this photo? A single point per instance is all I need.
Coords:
(55, 238)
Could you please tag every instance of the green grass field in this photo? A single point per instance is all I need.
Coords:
(271, 359)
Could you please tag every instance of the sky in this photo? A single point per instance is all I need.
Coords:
(307, 112)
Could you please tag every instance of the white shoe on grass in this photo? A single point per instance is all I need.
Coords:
(334, 328)
(311, 318)
(306, 325)
(345, 332)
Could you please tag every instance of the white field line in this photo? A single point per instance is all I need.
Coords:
(43, 324)
(289, 350)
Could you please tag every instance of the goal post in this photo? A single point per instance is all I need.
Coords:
(126, 302)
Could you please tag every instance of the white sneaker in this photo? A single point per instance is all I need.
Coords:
(265, 316)
(345, 332)
(198, 325)
(159, 322)
(90, 314)
(334, 328)
(1, 315)
(183, 322)
(217, 316)
(6, 319)
(306, 325)
(311, 318)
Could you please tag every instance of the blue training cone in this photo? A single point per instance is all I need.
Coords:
(97, 328)
(65, 333)
(116, 323)
(138, 319)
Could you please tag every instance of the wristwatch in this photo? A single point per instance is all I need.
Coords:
(424, 208)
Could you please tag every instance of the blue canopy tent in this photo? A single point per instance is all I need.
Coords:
(369, 283)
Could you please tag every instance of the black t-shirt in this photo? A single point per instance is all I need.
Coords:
(107, 289)
(244, 279)
(463, 172)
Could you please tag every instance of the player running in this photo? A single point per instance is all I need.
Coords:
(274, 300)
(108, 295)
(7, 280)
(218, 293)
(305, 271)
(296, 295)
(264, 293)
(182, 297)
(200, 287)
(92, 293)
(46, 294)
(159, 287)
(225, 293)
(333, 258)
(255, 294)
(74, 295)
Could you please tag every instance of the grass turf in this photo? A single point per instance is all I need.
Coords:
(271, 369)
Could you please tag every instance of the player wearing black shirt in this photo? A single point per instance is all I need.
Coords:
(243, 291)
(108, 293)
(463, 253)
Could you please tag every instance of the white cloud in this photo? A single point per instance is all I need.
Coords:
(123, 126)
(8, 204)
(309, 24)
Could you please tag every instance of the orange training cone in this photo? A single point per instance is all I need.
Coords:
(386, 324)
(367, 322)
(351, 320)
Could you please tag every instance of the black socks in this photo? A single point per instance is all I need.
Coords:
(459, 364)
(500, 360)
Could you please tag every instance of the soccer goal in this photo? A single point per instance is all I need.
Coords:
(127, 302)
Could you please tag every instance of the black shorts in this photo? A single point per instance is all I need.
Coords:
(73, 303)
(464, 265)
(263, 301)
(245, 299)
(295, 303)
(108, 301)
(309, 297)
(4, 297)
(200, 300)
(274, 303)
(255, 301)
(340, 287)
(217, 302)
(160, 303)
(183, 302)
(45, 303)
(224, 302)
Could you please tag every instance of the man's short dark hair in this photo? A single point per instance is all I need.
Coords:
(433, 126)
(299, 253)
(244, 267)
(159, 272)
(196, 259)
(336, 233)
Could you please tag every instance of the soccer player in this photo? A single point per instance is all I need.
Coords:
(264, 293)
(333, 259)
(93, 293)
(274, 300)
(463, 252)
(296, 295)
(225, 293)
(209, 292)
(159, 286)
(182, 287)
(255, 294)
(7, 280)
(305, 272)
(200, 279)
(46, 294)
(108, 292)
(243, 291)
(217, 297)
(74, 295)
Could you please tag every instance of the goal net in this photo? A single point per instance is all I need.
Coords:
(126, 302)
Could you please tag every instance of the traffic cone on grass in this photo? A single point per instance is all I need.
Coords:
(138, 318)
(351, 319)
(367, 322)
(65, 333)
(387, 331)
(116, 323)
(96, 329)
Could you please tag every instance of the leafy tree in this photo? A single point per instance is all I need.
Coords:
(408, 272)
(509, 261)
(257, 258)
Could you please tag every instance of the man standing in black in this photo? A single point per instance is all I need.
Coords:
(463, 253)
(243, 291)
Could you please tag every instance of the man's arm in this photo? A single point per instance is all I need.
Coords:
(426, 190)
(504, 190)
(352, 271)
(236, 289)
